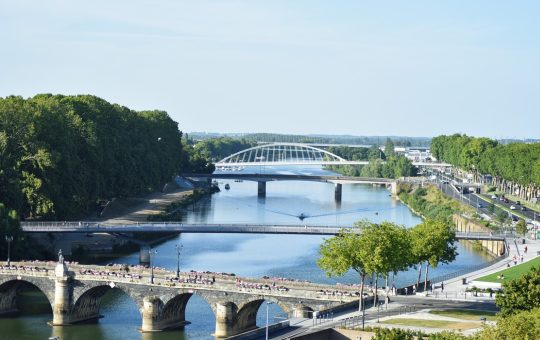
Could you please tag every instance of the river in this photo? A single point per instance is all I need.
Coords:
(292, 256)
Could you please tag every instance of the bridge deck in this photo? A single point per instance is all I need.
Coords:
(288, 177)
(223, 282)
(220, 228)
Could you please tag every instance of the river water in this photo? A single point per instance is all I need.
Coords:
(292, 256)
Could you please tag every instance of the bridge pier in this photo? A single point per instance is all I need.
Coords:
(151, 310)
(338, 189)
(144, 254)
(62, 301)
(261, 189)
(301, 311)
(225, 320)
(394, 188)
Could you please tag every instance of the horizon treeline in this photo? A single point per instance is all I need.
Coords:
(60, 155)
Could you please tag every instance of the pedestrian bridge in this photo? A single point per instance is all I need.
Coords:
(75, 292)
(211, 228)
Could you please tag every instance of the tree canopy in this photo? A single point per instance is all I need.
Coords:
(59, 155)
(521, 294)
(516, 162)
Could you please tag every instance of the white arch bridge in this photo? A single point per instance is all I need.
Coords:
(275, 154)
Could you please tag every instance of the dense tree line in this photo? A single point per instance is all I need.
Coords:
(515, 167)
(216, 149)
(59, 155)
(387, 164)
(322, 139)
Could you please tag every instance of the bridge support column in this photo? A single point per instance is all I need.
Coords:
(62, 301)
(301, 311)
(151, 321)
(225, 320)
(394, 188)
(261, 190)
(144, 254)
(338, 188)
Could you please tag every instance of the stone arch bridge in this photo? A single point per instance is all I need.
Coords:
(75, 294)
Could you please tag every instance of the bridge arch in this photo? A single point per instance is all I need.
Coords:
(87, 300)
(9, 288)
(174, 311)
(280, 153)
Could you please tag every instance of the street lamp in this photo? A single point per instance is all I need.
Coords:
(178, 251)
(268, 303)
(9, 239)
(151, 252)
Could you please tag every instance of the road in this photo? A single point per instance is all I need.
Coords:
(480, 201)
(399, 305)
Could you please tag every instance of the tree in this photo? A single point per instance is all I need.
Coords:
(432, 243)
(522, 325)
(375, 153)
(342, 253)
(521, 227)
(389, 148)
(61, 155)
(521, 294)
(368, 249)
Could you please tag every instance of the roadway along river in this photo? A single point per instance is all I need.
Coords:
(291, 256)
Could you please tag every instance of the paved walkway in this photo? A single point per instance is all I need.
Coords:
(455, 289)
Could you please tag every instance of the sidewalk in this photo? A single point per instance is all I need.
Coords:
(455, 289)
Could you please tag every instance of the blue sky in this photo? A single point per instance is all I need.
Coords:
(418, 68)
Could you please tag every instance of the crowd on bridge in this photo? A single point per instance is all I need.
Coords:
(26, 268)
(256, 285)
(109, 273)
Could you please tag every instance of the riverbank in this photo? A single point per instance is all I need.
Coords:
(430, 202)
(105, 247)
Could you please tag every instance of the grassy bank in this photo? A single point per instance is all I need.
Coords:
(430, 202)
(466, 314)
(512, 272)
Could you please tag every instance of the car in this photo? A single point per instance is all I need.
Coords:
(505, 200)
(480, 205)
(512, 207)
(518, 203)
(523, 208)
(493, 197)
(514, 218)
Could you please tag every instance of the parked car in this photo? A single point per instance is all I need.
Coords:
(512, 207)
(518, 203)
(480, 205)
(493, 197)
(523, 208)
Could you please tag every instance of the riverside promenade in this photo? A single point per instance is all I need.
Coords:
(455, 289)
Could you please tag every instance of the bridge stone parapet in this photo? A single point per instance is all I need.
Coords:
(75, 293)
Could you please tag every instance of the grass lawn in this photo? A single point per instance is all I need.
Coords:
(443, 324)
(512, 272)
(465, 314)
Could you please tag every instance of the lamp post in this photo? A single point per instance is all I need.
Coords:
(9, 239)
(178, 251)
(151, 252)
(268, 303)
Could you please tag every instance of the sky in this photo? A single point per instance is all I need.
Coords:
(410, 68)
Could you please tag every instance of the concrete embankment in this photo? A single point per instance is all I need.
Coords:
(464, 224)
